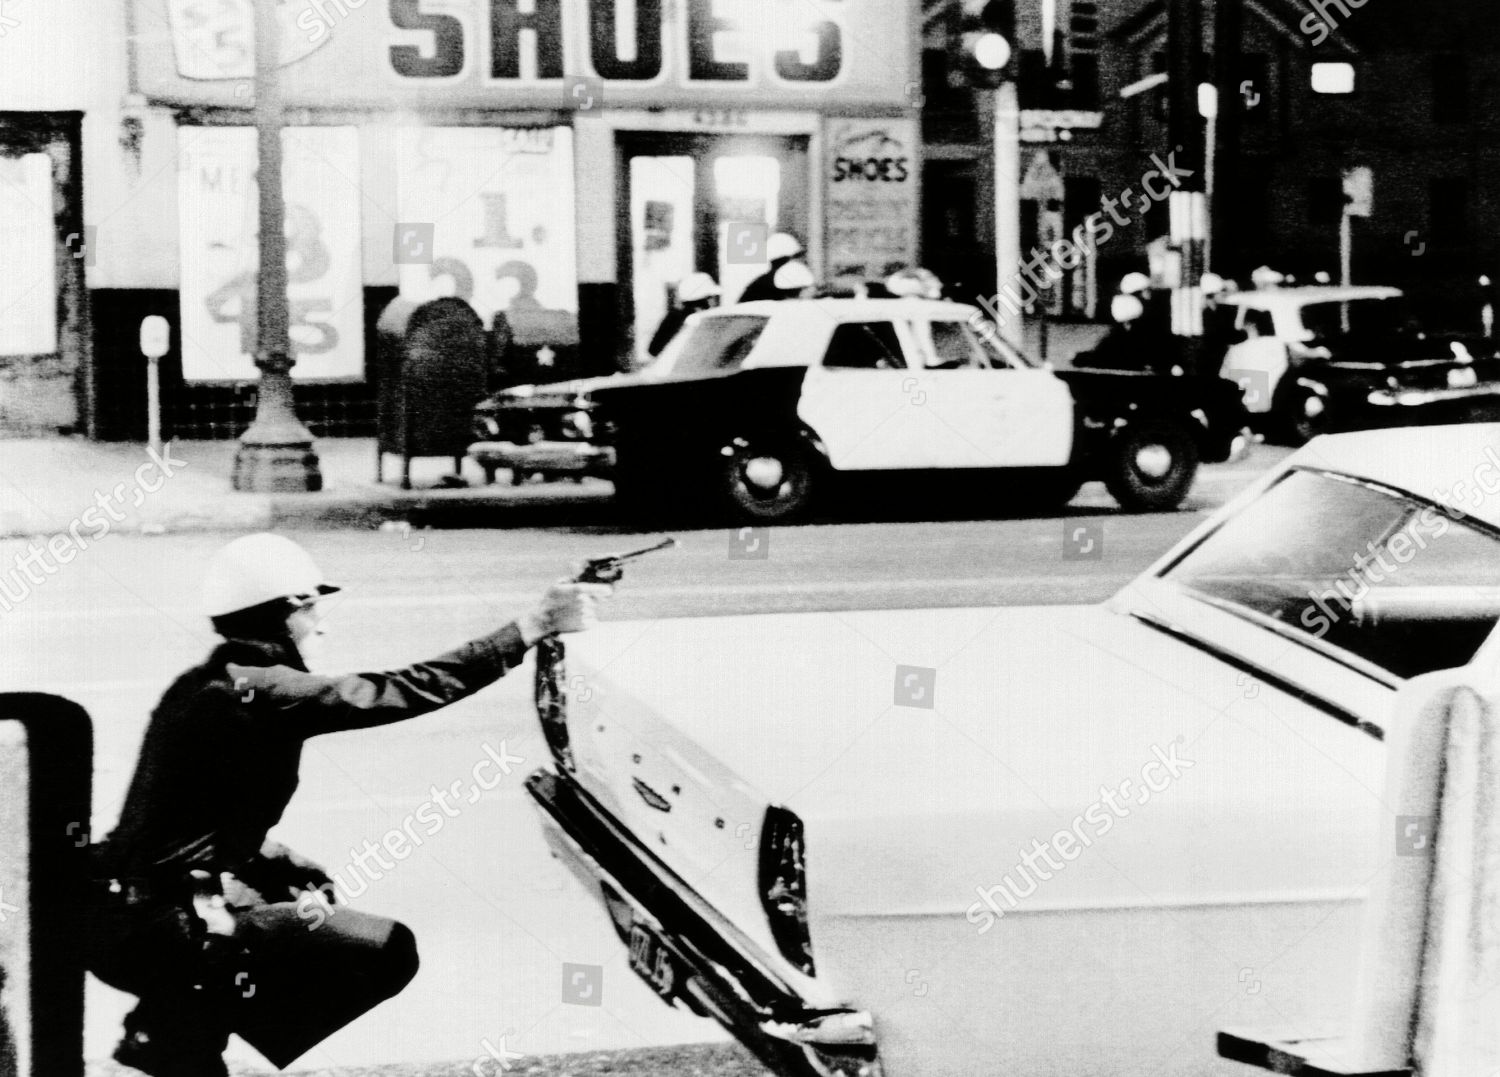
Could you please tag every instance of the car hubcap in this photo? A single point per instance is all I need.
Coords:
(1312, 407)
(1153, 461)
(765, 473)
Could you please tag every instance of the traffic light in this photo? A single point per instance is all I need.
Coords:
(983, 45)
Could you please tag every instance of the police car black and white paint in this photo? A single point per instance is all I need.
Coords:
(761, 406)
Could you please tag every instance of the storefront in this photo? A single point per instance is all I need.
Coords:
(560, 164)
(48, 102)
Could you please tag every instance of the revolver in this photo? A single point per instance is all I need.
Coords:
(551, 701)
(609, 568)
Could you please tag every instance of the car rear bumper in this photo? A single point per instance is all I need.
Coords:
(1483, 393)
(570, 457)
(725, 975)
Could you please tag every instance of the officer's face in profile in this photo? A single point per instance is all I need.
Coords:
(305, 626)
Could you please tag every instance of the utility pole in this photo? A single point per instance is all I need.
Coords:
(1187, 209)
(1228, 36)
(276, 452)
(1007, 165)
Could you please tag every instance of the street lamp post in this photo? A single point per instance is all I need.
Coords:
(276, 451)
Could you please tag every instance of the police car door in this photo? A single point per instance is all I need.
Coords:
(984, 408)
(862, 398)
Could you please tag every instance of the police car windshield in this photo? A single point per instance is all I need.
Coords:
(997, 352)
(709, 345)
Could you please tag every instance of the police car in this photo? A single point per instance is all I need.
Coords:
(760, 407)
(1321, 359)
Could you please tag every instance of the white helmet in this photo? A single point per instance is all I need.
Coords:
(260, 568)
(782, 245)
(914, 282)
(1212, 284)
(1266, 277)
(1132, 283)
(696, 287)
(793, 277)
(1126, 308)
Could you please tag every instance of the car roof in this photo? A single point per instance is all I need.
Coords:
(1267, 298)
(1428, 461)
(851, 310)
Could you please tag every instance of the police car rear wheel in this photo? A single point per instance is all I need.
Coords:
(1151, 465)
(767, 478)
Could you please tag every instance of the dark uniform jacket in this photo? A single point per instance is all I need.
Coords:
(220, 758)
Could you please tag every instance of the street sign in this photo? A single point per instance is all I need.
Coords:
(1359, 191)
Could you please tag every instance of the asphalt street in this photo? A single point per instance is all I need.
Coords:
(501, 927)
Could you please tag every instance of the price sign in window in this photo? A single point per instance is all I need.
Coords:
(498, 205)
(220, 250)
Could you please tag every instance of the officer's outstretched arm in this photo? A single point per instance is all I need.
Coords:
(319, 704)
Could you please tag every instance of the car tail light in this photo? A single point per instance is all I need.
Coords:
(783, 886)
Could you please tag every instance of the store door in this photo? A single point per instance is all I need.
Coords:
(679, 198)
(43, 343)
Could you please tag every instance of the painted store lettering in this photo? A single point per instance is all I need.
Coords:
(539, 29)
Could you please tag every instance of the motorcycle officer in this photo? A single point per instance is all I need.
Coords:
(193, 902)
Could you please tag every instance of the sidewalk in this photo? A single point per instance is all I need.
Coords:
(62, 486)
(49, 486)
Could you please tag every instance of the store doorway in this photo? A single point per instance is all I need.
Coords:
(679, 196)
(44, 369)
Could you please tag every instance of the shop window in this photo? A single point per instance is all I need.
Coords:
(1331, 79)
(864, 346)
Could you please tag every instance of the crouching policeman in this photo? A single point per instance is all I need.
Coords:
(195, 910)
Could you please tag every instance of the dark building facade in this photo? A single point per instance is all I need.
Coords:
(1422, 116)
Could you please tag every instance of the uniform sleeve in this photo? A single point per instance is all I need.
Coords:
(316, 704)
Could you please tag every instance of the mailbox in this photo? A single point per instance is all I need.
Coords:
(433, 369)
(46, 767)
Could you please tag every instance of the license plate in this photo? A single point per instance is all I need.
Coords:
(1462, 377)
(652, 961)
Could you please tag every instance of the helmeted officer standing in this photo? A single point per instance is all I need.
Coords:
(782, 249)
(698, 291)
(196, 910)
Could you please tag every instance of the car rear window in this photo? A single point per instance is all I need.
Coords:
(714, 345)
(1367, 317)
(1394, 581)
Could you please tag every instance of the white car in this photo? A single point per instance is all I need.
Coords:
(1042, 840)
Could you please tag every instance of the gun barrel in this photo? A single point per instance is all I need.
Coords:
(665, 544)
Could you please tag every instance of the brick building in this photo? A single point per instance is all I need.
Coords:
(1423, 114)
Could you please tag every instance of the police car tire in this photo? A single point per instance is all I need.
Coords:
(1292, 424)
(1138, 490)
(793, 494)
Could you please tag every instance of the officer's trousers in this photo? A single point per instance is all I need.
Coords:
(282, 982)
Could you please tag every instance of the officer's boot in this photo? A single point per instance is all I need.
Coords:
(173, 1038)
